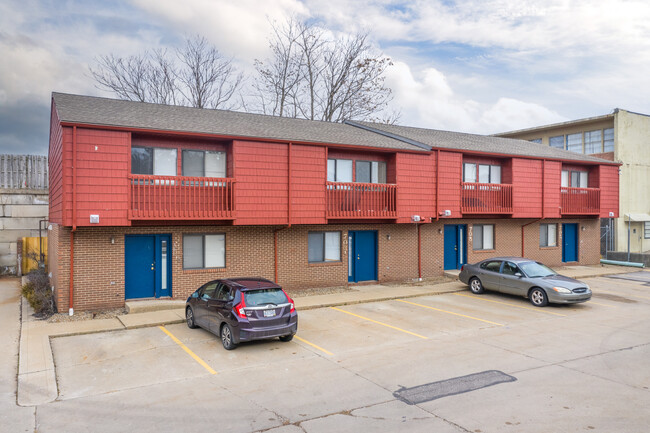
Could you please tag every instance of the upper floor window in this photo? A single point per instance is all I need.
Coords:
(340, 170)
(153, 160)
(536, 140)
(608, 140)
(646, 230)
(482, 173)
(574, 142)
(199, 163)
(593, 141)
(557, 142)
(575, 179)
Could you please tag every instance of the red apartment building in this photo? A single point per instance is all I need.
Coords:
(150, 201)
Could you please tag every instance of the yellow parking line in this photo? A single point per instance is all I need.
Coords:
(379, 323)
(189, 352)
(597, 291)
(313, 345)
(450, 312)
(602, 305)
(539, 310)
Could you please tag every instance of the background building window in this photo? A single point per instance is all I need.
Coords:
(324, 247)
(574, 142)
(153, 161)
(608, 140)
(204, 251)
(371, 172)
(536, 140)
(199, 163)
(593, 142)
(646, 230)
(486, 173)
(557, 142)
(483, 237)
(339, 170)
(548, 235)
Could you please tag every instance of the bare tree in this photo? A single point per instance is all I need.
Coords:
(197, 76)
(315, 76)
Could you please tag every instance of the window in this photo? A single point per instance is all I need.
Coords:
(209, 291)
(548, 235)
(339, 170)
(153, 161)
(593, 141)
(575, 179)
(557, 142)
(371, 172)
(510, 268)
(536, 140)
(646, 230)
(608, 140)
(199, 163)
(492, 266)
(486, 173)
(483, 237)
(324, 247)
(204, 251)
(574, 142)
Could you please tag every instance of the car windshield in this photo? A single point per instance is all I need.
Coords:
(254, 298)
(536, 270)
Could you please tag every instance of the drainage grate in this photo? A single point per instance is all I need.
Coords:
(457, 385)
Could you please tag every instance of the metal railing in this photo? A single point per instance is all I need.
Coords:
(486, 198)
(580, 201)
(181, 197)
(361, 200)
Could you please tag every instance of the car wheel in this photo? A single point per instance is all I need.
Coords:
(538, 297)
(476, 286)
(286, 338)
(189, 317)
(226, 337)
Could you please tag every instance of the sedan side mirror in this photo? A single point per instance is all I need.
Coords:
(518, 275)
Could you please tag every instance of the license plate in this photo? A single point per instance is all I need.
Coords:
(269, 313)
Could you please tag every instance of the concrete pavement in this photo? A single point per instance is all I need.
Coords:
(36, 374)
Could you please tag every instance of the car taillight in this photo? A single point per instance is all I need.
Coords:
(239, 309)
(293, 308)
(462, 267)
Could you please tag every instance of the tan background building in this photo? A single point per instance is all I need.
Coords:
(624, 137)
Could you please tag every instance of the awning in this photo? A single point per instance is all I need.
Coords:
(637, 217)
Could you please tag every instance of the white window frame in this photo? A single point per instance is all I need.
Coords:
(214, 243)
(336, 168)
(331, 251)
(646, 230)
(483, 237)
(548, 236)
(472, 172)
(567, 179)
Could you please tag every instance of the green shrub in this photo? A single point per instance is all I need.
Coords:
(38, 293)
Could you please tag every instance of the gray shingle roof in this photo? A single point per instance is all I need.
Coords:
(477, 143)
(129, 114)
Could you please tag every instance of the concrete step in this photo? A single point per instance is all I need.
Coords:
(147, 305)
(452, 273)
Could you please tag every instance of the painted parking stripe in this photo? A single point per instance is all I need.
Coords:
(327, 352)
(189, 352)
(380, 323)
(602, 305)
(450, 312)
(537, 309)
(598, 291)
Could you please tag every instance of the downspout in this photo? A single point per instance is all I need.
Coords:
(522, 234)
(437, 182)
(419, 252)
(276, 231)
(74, 220)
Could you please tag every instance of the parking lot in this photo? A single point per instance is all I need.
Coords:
(579, 367)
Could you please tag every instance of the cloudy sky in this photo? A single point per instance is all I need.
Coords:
(480, 66)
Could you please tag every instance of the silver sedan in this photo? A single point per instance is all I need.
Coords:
(524, 277)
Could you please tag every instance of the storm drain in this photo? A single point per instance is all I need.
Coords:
(457, 385)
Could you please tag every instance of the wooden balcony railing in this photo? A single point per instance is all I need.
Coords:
(486, 198)
(580, 201)
(181, 197)
(361, 200)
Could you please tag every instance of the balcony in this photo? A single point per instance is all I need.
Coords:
(361, 200)
(580, 201)
(181, 198)
(486, 198)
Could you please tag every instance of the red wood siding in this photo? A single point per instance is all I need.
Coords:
(552, 179)
(609, 179)
(308, 174)
(261, 171)
(55, 168)
(416, 188)
(527, 194)
(451, 173)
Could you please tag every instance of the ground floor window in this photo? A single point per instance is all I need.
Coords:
(483, 237)
(646, 230)
(548, 235)
(201, 251)
(324, 247)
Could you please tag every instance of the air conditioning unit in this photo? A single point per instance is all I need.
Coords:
(416, 218)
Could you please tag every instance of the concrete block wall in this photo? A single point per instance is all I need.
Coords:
(20, 213)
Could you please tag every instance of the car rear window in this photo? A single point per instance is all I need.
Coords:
(254, 298)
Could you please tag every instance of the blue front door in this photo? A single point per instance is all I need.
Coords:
(570, 242)
(147, 266)
(362, 255)
(455, 254)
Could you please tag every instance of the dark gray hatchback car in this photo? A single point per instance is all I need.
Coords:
(524, 277)
(242, 309)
